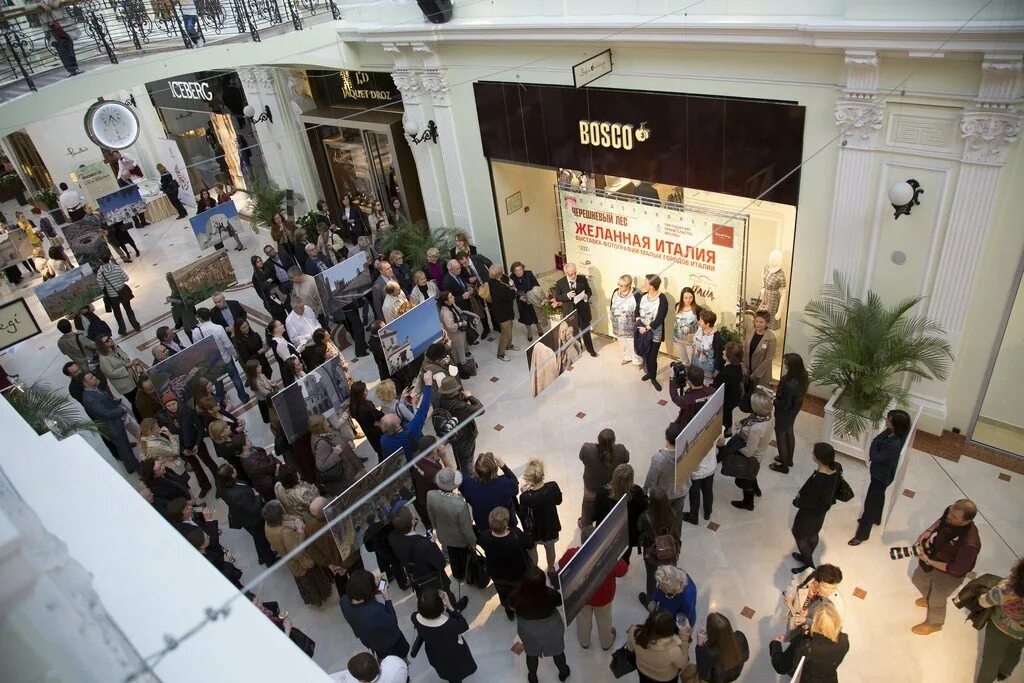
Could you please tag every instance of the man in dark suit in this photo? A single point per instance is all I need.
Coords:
(567, 294)
(226, 312)
(108, 412)
(423, 561)
(276, 266)
(75, 389)
(456, 282)
(387, 274)
(474, 268)
(169, 339)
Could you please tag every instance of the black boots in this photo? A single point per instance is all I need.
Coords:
(747, 503)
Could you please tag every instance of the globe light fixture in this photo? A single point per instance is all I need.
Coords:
(904, 196)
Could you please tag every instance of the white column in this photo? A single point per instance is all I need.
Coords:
(987, 131)
(429, 168)
(860, 117)
(436, 84)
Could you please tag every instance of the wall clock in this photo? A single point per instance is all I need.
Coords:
(112, 125)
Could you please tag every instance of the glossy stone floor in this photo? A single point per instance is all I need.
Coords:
(740, 562)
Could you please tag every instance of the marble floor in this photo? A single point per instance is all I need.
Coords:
(740, 561)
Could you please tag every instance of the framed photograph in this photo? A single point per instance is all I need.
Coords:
(341, 284)
(16, 323)
(586, 570)
(179, 372)
(699, 437)
(514, 202)
(323, 391)
(197, 281)
(120, 206)
(407, 337)
(68, 293)
(554, 353)
(216, 225)
(85, 241)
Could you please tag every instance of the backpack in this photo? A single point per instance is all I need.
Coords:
(664, 549)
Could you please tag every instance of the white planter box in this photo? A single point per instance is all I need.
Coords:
(842, 441)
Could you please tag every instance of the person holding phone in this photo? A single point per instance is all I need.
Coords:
(373, 621)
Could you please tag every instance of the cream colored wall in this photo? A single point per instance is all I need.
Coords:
(531, 233)
(1002, 398)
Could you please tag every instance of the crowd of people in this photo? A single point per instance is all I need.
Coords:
(471, 521)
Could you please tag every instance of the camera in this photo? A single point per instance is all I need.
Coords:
(904, 552)
(678, 373)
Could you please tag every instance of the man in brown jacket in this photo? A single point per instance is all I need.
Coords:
(758, 351)
(324, 550)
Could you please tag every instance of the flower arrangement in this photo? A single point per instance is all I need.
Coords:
(549, 304)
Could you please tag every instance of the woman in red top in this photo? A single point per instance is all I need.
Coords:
(599, 607)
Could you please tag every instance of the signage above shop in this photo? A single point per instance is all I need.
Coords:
(203, 91)
(354, 90)
(365, 85)
(742, 147)
(592, 69)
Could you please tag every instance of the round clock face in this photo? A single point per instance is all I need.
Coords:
(112, 125)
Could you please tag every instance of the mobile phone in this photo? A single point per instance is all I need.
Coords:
(382, 585)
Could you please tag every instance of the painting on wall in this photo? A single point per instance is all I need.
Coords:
(197, 281)
(66, 294)
(215, 225)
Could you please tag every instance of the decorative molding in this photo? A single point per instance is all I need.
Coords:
(860, 122)
(928, 129)
(1000, 82)
(435, 83)
(265, 80)
(987, 135)
(848, 224)
(861, 74)
(407, 84)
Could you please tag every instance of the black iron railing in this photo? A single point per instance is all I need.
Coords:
(35, 41)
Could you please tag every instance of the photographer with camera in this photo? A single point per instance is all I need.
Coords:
(694, 394)
(949, 549)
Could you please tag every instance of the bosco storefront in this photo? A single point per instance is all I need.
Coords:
(690, 187)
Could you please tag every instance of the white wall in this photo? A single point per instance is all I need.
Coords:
(149, 579)
(531, 233)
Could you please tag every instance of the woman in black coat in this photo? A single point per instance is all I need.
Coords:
(651, 309)
(636, 504)
(352, 218)
(440, 629)
(788, 401)
(244, 511)
(731, 377)
(366, 415)
(822, 649)
(251, 346)
(813, 502)
(883, 458)
(163, 483)
(503, 298)
(169, 186)
(524, 280)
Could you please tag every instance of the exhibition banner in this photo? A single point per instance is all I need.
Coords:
(699, 437)
(895, 490)
(96, 180)
(607, 237)
(587, 569)
(173, 161)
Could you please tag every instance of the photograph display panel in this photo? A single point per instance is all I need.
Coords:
(554, 353)
(580, 578)
(407, 337)
(323, 391)
(699, 437)
(16, 323)
(119, 206)
(375, 513)
(66, 294)
(10, 253)
(179, 372)
(215, 225)
(197, 281)
(85, 241)
(339, 285)
(607, 237)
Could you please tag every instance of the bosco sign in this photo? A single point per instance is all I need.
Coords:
(612, 135)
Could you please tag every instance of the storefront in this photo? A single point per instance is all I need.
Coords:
(358, 143)
(203, 113)
(626, 182)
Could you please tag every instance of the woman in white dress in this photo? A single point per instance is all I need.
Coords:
(623, 311)
(687, 314)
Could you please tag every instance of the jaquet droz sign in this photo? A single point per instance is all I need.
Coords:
(736, 146)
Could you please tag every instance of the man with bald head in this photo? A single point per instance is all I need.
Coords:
(395, 436)
(324, 550)
(572, 293)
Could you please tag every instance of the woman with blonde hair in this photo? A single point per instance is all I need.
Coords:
(538, 509)
(422, 288)
(434, 267)
(263, 387)
(752, 440)
(822, 649)
(157, 443)
(622, 303)
(492, 485)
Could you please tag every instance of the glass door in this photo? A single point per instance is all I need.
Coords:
(351, 166)
(1000, 422)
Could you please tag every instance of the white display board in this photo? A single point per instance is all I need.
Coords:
(895, 491)
(170, 156)
(608, 236)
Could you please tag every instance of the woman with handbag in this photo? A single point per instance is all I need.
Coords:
(337, 466)
(122, 372)
(651, 309)
(662, 647)
(455, 325)
(741, 456)
(813, 502)
(116, 293)
(524, 281)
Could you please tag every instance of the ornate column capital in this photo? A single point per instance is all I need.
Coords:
(987, 135)
(861, 74)
(264, 80)
(407, 84)
(860, 121)
(435, 83)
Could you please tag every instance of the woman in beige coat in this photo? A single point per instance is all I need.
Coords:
(314, 583)
(293, 494)
(157, 443)
(454, 324)
(662, 648)
(120, 370)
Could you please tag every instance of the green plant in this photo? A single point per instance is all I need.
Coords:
(414, 239)
(265, 199)
(10, 181)
(865, 347)
(308, 222)
(46, 409)
(48, 196)
(730, 334)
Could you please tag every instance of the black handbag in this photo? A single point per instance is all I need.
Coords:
(476, 570)
(844, 492)
(623, 662)
(740, 466)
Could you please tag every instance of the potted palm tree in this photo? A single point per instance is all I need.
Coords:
(415, 239)
(48, 410)
(265, 200)
(869, 353)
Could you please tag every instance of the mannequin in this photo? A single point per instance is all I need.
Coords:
(773, 283)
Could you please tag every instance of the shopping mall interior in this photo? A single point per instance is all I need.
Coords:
(719, 286)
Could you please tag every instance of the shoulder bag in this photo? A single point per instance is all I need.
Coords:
(476, 570)
(485, 292)
(124, 294)
(623, 662)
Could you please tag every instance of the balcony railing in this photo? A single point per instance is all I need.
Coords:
(35, 42)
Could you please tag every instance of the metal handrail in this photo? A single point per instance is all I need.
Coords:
(104, 30)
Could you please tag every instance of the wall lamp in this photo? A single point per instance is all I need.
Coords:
(131, 101)
(412, 128)
(904, 196)
(250, 113)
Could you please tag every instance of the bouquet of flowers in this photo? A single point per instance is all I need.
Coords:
(549, 304)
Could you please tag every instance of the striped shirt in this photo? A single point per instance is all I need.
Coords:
(111, 278)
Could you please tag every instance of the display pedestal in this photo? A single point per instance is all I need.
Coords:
(841, 441)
